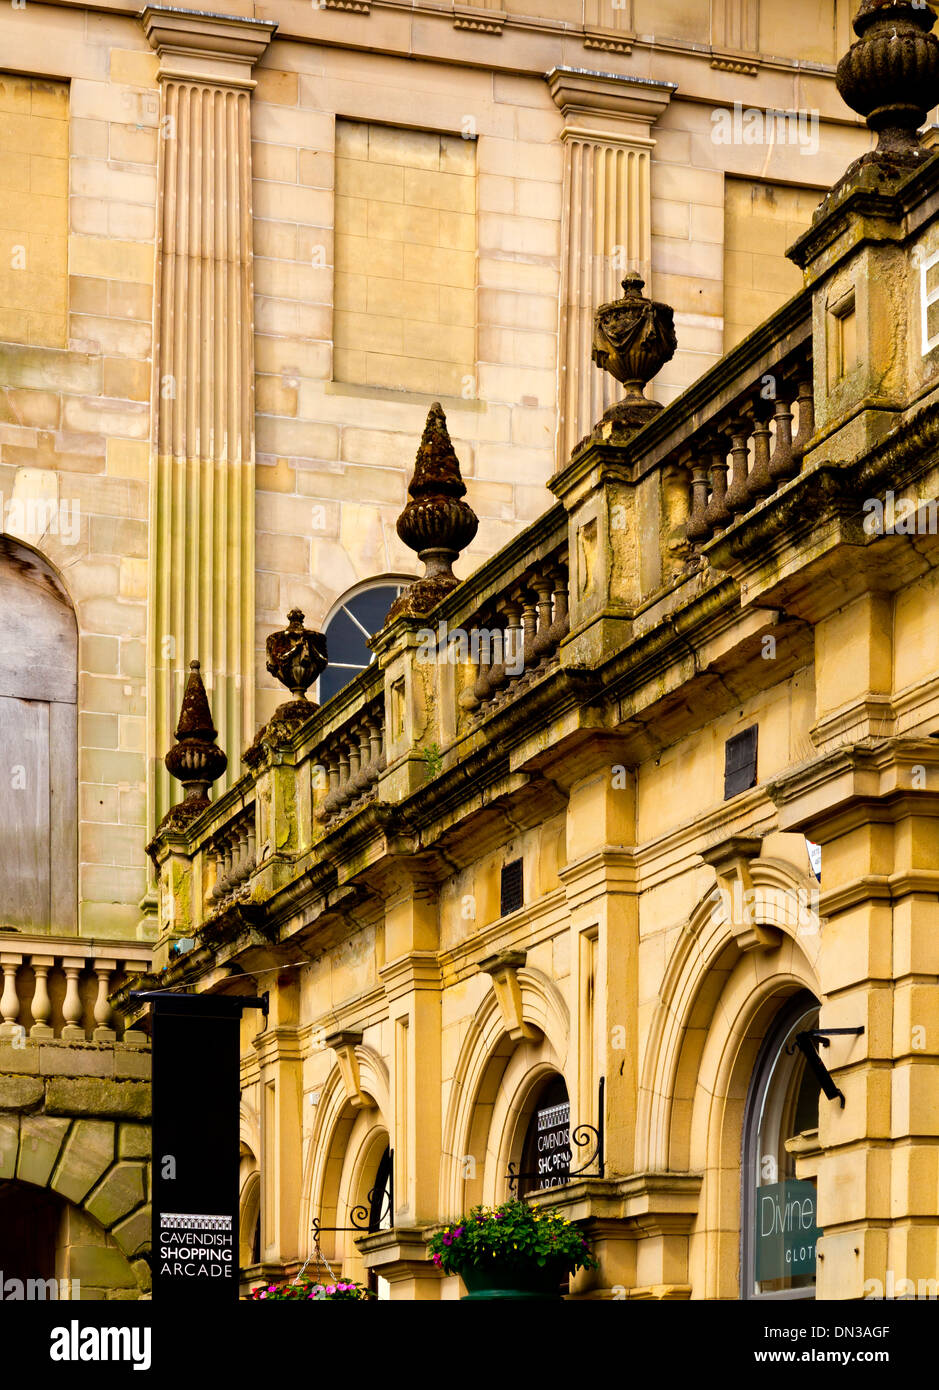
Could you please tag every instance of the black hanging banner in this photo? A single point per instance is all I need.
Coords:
(196, 1094)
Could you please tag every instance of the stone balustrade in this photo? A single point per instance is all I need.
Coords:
(513, 638)
(58, 987)
(349, 763)
(233, 851)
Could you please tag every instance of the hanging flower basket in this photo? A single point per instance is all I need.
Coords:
(306, 1289)
(513, 1251)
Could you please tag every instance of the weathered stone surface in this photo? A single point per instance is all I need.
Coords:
(76, 1059)
(142, 1274)
(88, 1152)
(133, 1234)
(134, 1141)
(132, 1062)
(41, 1140)
(101, 1267)
(20, 1092)
(122, 1189)
(9, 1144)
(19, 1059)
(98, 1097)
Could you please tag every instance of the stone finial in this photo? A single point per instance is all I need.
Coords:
(194, 759)
(296, 655)
(890, 75)
(436, 522)
(633, 338)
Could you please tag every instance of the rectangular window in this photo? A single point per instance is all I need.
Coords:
(405, 287)
(740, 762)
(513, 894)
(929, 300)
(33, 210)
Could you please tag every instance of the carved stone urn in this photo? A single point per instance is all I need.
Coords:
(436, 522)
(890, 75)
(633, 338)
(195, 759)
(296, 655)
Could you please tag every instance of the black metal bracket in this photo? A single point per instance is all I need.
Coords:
(217, 1003)
(364, 1217)
(582, 1135)
(808, 1044)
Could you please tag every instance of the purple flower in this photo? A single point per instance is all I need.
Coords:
(448, 1240)
(458, 1232)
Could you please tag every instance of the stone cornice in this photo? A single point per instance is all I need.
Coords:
(418, 970)
(211, 48)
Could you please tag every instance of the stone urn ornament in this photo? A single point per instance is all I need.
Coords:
(633, 338)
(296, 655)
(436, 522)
(890, 75)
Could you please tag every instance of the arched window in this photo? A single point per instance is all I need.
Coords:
(356, 617)
(38, 758)
(546, 1152)
(779, 1213)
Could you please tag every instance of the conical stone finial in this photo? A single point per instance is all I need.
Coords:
(436, 522)
(633, 338)
(890, 75)
(195, 759)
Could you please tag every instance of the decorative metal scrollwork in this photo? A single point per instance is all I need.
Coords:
(370, 1214)
(582, 1136)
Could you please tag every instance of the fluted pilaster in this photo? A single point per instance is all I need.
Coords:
(202, 483)
(607, 222)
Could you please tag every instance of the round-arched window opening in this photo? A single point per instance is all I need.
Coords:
(356, 617)
(380, 1215)
(779, 1211)
(546, 1152)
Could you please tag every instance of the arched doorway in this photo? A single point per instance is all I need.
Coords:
(30, 1233)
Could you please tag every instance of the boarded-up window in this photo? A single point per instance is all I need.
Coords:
(405, 259)
(760, 221)
(33, 210)
(38, 769)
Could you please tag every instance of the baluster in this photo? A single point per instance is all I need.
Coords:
(561, 625)
(72, 1030)
(760, 481)
(485, 656)
(716, 515)
(41, 1006)
(500, 641)
(345, 790)
(331, 799)
(541, 647)
(103, 1032)
(738, 494)
(529, 628)
(806, 402)
(242, 850)
(362, 779)
(782, 465)
(698, 529)
(252, 852)
(10, 1000)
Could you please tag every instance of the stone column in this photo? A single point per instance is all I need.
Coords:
(202, 481)
(606, 222)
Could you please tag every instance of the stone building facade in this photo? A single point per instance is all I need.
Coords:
(636, 822)
(240, 255)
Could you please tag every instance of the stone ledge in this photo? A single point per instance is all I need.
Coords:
(98, 1098)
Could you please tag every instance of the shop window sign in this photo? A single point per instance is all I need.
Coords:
(786, 1230)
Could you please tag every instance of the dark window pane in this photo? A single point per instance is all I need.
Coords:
(345, 640)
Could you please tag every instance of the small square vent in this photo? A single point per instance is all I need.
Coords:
(513, 894)
(740, 762)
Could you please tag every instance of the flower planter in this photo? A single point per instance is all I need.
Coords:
(540, 1283)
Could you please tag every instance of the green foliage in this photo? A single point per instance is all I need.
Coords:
(434, 759)
(513, 1235)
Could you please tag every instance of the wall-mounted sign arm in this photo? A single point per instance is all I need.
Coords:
(808, 1044)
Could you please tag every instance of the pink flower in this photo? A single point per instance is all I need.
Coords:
(330, 1288)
